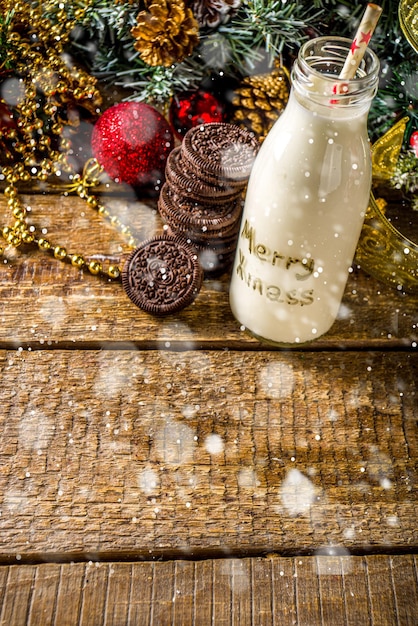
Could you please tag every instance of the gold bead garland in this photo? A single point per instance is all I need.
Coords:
(49, 84)
(34, 145)
(21, 233)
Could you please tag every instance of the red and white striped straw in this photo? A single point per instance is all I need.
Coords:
(361, 40)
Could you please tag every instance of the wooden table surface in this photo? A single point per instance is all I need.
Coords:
(177, 471)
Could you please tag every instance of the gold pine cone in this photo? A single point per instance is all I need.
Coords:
(260, 99)
(165, 33)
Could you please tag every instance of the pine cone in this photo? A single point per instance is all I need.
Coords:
(260, 99)
(214, 12)
(165, 33)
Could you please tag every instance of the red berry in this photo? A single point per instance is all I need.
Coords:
(413, 142)
(193, 108)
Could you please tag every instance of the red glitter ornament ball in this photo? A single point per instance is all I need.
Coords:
(193, 108)
(132, 141)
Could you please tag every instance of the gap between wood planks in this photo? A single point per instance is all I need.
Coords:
(193, 555)
(395, 345)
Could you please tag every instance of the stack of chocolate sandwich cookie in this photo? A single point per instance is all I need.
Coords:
(202, 198)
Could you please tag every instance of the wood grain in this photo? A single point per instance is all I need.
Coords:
(192, 453)
(44, 303)
(124, 438)
(213, 592)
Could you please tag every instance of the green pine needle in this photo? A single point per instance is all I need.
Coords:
(260, 31)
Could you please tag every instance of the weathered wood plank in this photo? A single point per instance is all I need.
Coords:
(44, 303)
(159, 452)
(203, 592)
(183, 592)
(43, 595)
(163, 594)
(241, 604)
(331, 590)
(215, 592)
(94, 598)
(140, 600)
(283, 593)
(17, 595)
(403, 571)
(71, 584)
(261, 581)
(381, 593)
(308, 600)
(118, 595)
(356, 591)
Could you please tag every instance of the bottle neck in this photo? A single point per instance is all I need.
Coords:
(316, 82)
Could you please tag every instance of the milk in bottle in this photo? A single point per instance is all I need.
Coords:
(306, 199)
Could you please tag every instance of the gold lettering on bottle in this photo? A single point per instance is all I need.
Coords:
(274, 293)
(241, 264)
(305, 266)
(249, 233)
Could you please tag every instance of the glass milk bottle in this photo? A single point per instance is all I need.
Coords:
(306, 199)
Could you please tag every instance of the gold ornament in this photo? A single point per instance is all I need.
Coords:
(260, 99)
(386, 150)
(408, 19)
(165, 33)
(383, 251)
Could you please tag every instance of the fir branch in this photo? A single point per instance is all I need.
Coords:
(110, 19)
(259, 31)
(397, 96)
(5, 45)
(269, 25)
(104, 33)
(405, 176)
(158, 84)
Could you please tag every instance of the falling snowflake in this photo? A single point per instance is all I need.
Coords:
(297, 493)
(214, 444)
(277, 380)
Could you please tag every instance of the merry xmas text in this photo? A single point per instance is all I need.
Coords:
(263, 253)
(274, 292)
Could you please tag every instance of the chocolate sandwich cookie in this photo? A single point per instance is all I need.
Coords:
(215, 256)
(217, 247)
(183, 180)
(223, 237)
(163, 275)
(220, 152)
(178, 209)
(201, 236)
(224, 245)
